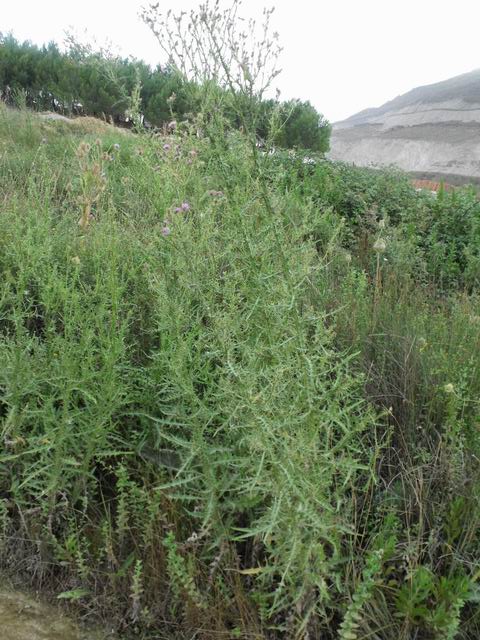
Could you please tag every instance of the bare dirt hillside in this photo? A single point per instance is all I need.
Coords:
(431, 130)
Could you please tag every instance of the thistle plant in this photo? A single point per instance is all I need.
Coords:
(207, 45)
(134, 101)
(92, 179)
(224, 54)
(379, 247)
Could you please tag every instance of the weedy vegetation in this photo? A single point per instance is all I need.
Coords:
(239, 391)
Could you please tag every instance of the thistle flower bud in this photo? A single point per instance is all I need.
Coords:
(422, 343)
(380, 245)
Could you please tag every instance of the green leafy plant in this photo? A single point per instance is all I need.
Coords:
(353, 616)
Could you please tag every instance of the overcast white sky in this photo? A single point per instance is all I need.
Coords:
(342, 55)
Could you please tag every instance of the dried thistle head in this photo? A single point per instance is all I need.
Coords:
(83, 150)
(380, 245)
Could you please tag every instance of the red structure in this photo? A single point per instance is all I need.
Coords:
(429, 185)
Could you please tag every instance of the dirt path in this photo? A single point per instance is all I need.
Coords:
(23, 618)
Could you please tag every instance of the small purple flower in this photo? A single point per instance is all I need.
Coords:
(185, 206)
(178, 210)
(166, 231)
(166, 147)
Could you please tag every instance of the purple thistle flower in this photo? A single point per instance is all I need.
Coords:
(178, 210)
(185, 206)
(165, 231)
(166, 147)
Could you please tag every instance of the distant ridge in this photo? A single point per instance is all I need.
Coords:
(465, 86)
(432, 129)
